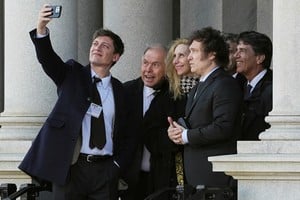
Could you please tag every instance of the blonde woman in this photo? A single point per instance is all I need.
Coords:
(181, 79)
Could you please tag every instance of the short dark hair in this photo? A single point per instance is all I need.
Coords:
(261, 45)
(212, 41)
(117, 41)
(231, 37)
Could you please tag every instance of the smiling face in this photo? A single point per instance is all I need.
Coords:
(247, 62)
(102, 52)
(153, 67)
(180, 60)
(201, 63)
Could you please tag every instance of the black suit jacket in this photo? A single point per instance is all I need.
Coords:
(51, 153)
(162, 149)
(151, 130)
(214, 121)
(134, 125)
(241, 80)
(256, 108)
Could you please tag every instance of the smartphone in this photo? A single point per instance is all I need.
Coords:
(56, 11)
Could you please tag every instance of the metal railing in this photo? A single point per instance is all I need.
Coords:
(29, 191)
(200, 192)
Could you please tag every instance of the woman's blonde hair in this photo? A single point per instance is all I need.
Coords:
(173, 77)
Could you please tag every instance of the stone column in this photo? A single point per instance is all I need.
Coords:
(138, 22)
(90, 18)
(265, 17)
(28, 94)
(239, 15)
(231, 16)
(1, 55)
(270, 168)
(197, 14)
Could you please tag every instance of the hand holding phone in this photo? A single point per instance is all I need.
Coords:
(56, 11)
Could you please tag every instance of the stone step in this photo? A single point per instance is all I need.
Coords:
(9, 172)
(260, 166)
(14, 146)
(10, 161)
(270, 146)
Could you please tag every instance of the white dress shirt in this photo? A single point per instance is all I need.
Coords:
(108, 104)
(148, 95)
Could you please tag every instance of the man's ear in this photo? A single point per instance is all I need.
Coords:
(260, 59)
(116, 57)
(211, 55)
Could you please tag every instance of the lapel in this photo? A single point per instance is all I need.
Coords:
(87, 82)
(118, 96)
(200, 89)
(138, 97)
(266, 80)
(134, 97)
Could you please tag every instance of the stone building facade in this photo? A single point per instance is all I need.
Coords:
(265, 168)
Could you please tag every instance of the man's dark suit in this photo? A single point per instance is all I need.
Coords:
(213, 118)
(134, 98)
(162, 149)
(256, 108)
(51, 153)
(136, 126)
(241, 80)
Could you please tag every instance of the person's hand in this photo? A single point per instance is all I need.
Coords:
(175, 131)
(43, 19)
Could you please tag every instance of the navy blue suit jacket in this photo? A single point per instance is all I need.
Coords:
(51, 153)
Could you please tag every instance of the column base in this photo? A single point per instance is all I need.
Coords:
(261, 175)
(283, 127)
(16, 135)
(270, 168)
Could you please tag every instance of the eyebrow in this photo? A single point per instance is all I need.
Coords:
(103, 42)
(241, 48)
(193, 48)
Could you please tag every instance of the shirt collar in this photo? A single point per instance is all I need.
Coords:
(148, 91)
(202, 79)
(234, 75)
(257, 78)
(105, 81)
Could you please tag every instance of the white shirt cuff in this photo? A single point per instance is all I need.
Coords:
(42, 35)
(184, 136)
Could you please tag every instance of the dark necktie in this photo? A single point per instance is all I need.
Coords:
(199, 86)
(248, 91)
(98, 136)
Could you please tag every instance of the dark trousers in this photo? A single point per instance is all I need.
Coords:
(139, 190)
(144, 186)
(95, 180)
